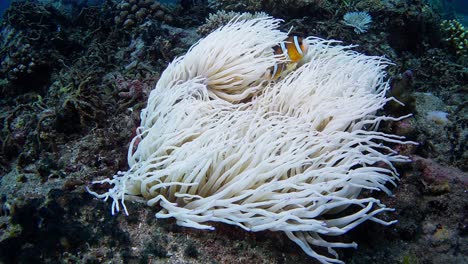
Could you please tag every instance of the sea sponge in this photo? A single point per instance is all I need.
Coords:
(218, 142)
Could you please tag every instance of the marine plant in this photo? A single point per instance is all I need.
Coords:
(219, 142)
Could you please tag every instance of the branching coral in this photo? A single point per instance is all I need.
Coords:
(218, 142)
(457, 36)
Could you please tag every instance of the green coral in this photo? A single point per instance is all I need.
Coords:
(457, 36)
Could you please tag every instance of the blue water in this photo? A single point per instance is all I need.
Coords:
(4, 4)
(461, 6)
(461, 11)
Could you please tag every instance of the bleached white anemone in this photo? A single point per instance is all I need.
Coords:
(217, 143)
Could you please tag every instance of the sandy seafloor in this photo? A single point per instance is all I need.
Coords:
(75, 75)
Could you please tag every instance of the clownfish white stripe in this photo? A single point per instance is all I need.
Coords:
(275, 70)
(284, 50)
(292, 50)
(297, 45)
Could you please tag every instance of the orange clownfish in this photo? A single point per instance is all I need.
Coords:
(294, 49)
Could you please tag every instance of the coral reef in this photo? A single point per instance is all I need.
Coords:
(243, 5)
(456, 36)
(131, 13)
(442, 138)
(221, 18)
(68, 118)
(273, 7)
(19, 63)
(25, 58)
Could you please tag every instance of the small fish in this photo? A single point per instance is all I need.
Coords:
(276, 71)
(294, 49)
